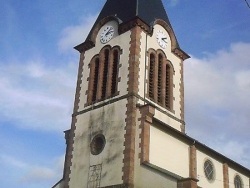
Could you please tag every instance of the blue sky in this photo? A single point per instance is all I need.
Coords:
(38, 69)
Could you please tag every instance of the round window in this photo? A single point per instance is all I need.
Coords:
(209, 170)
(238, 182)
(97, 144)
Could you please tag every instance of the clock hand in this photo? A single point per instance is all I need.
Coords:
(164, 39)
(109, 31)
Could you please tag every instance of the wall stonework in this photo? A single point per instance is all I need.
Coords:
(70, 142)
(187, 183)
(193, 162)
(147, 113)
(133, 77)
(145, 144)
(225, 176)
(182, 97)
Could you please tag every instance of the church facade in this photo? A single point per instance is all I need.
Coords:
(128, 127)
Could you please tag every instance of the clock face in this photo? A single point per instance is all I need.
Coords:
(161, 38)
(107, 34)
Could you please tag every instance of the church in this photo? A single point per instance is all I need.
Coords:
(128, 126)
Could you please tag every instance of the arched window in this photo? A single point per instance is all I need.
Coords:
(95, 82)
(167, 87)
(114, 72)
(160, 78)
(151, 76)
(160, 73)
(238, 182)
(103, 76)
(105, 73)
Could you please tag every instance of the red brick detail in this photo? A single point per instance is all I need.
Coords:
(101, 72)
(129, 143)
(166, 89)
(182, 98)
(91, 79)
(109, 76)
(192, 162)
(124, 27)
(105, 88)
(190, 182)
(117, 186)
(180, 53)
(113, 71)
(147, 113)
(90, 43)
(225, 176)
(70, 139)
(174, 42)
(171, 87)
(187, 183)
(131, 113)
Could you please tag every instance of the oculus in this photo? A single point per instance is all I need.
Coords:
(209, 170)
(97, 144)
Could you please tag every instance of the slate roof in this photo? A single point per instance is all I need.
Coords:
(126, 10)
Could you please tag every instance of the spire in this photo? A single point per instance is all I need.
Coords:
(126, 10)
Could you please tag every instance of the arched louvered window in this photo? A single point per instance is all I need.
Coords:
(159, 82)
(103, 78)
(114, 72)
(167, 86)
(95, 81)
(151, 76)
(160, 73)
(105, 73)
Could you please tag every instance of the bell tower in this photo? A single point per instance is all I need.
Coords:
(130, 77)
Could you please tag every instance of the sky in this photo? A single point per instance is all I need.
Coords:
(38, 70)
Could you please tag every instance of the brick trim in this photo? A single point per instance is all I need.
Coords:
(181, 54)
(101, 72)
(225, 175)
(187, 183)
(182, 98)
(175, 46)
(71, 134)
(165, 62)
(90, 41)
(133, 88)
(117, 186)
(147, 113)
(170, 32)
(192, 162)
(137, 22)
(90, 79)
(108, 89)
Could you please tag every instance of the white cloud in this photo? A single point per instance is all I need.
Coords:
(217, 90)
(35, 96)
(9, 160)
(37, 173)
(76, 34)
(28, 173)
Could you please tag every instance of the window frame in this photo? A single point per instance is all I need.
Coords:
(161, 92)
(210, 167)
(105, 84)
